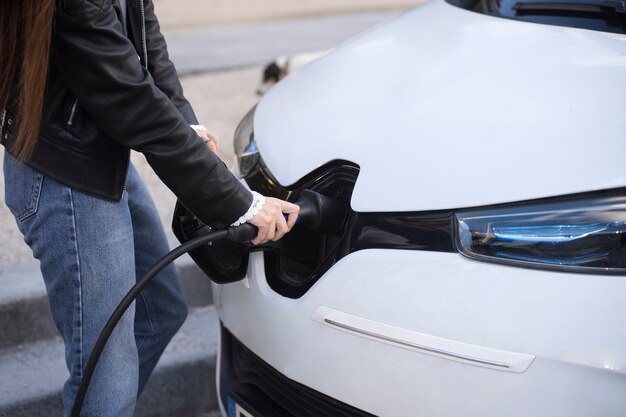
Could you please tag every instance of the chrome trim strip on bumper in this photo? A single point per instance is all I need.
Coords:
(432, 345)
(420, 347)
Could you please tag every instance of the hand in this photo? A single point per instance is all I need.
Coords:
(211, 140)
(271, 221)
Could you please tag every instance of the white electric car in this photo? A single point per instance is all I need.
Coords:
(479, 268)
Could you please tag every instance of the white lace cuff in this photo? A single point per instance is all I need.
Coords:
(258, 202)
(197, 127)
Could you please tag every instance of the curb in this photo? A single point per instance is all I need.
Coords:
(183, 383)
(25, 315)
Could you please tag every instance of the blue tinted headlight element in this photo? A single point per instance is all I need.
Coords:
(577, 235)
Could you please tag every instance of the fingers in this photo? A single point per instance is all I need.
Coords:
(212, 146)
(271, 230)
(260, 237)
(210, 139)
(292, 212)
(281, 228)
(214, 139)
(271, 221)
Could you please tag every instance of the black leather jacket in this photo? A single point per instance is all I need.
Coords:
(111, 89)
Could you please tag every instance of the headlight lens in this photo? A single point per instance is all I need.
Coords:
(246, 151)
(585, 235)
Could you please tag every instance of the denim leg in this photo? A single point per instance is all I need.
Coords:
(161, 307)
(86, 249)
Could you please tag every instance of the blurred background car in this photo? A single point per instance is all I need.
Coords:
(283, 65)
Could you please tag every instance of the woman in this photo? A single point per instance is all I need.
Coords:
(109, 87)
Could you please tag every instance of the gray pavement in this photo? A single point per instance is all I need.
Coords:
(182, 384)
(176, 14)
(209, 49)
(24, 311)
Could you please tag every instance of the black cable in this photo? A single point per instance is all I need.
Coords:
(243, 233)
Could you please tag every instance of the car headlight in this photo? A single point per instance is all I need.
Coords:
(578, 235)
(246, 151)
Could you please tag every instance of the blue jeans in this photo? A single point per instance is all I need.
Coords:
(92, 251)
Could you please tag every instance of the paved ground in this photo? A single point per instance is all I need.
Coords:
(210, 48)
(176, 14)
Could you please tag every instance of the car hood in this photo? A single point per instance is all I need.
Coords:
(446, 108)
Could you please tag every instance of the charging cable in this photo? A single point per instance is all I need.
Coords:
(317, 212)
(244, 233)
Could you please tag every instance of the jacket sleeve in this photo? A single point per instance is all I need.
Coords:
(161, 67)
(102, 69)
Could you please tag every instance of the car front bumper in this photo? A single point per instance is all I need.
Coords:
(247, 381)
(570, 325)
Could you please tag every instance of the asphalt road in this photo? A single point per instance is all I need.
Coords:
(217, 48)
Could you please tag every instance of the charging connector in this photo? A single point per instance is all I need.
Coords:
(226, 261)
(322, 213)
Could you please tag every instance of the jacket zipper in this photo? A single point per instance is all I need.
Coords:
(144, 42)
(126, 172)
(144, 46)
(70, 120)
(4, 116)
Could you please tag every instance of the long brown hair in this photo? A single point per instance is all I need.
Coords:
(25, 37)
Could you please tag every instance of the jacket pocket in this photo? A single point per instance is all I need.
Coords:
(22, 188)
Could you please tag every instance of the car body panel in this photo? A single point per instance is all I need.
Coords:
(572, 323)
(444, 109)
(417, 101)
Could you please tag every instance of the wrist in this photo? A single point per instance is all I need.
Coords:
(258, 201)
